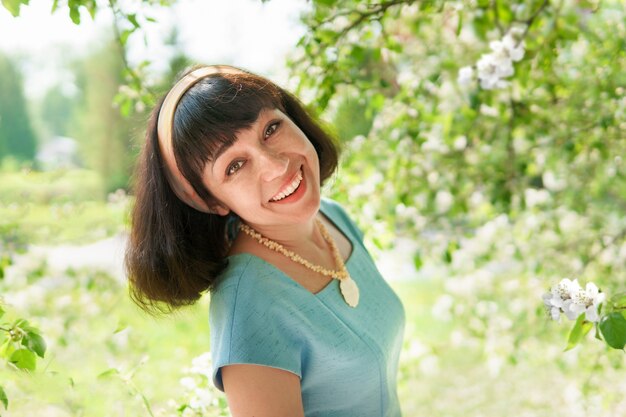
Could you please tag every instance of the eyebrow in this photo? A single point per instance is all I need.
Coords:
(224, 146)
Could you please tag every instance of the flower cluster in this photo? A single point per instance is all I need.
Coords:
(201, 397)
(498, 64)
(570, 298)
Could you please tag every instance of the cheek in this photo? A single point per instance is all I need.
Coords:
(313, 155)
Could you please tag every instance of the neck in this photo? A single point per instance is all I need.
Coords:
(294, 237)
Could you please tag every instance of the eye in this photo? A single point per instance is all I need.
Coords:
(271, 129)
(233, 168)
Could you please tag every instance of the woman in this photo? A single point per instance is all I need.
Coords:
(228, 200)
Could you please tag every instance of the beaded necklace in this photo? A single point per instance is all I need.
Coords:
(349, 289)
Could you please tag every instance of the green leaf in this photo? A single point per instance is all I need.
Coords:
(24, 359)
(3, 398)
(613, 327)
(125, 34)
(108, 373)
(598, 336)
(13, 6)
(5, 261)
(132, 18)
(7, 348)
(120, 326)
(74, 12)
(452, 247)
(25, 325)
(618, 301)
(580, 330)
(126, 107)
(325, 36)
(92, 7)
(35, 343)
(327, 3)
(417, 261)
(1, 311)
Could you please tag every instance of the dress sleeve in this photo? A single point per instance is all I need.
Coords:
(246, 328)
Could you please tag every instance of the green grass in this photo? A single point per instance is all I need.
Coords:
(65, 206)
(50, 187)
(82, 222)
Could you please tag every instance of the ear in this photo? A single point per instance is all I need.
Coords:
(219, 209)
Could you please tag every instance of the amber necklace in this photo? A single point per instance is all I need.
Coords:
(349, 289)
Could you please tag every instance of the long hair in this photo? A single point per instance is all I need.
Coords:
(175, 253)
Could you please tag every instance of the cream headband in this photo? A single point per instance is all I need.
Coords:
(181, 187)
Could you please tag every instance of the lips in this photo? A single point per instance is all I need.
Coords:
(289, 188)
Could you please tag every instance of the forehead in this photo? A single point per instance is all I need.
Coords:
(265, 116)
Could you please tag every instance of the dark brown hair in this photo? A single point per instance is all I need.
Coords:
(175, 253)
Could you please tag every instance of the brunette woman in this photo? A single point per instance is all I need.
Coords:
(228, 202)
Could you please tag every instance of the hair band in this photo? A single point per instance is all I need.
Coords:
(181, 187)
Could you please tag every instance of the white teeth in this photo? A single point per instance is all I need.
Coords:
(290, 188)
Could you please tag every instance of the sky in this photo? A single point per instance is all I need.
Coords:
(247, 33)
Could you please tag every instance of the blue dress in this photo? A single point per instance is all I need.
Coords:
(346, 358)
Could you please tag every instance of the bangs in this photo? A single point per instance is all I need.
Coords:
(210, 114)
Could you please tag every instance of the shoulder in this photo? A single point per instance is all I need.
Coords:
(244, 279)
(251, 318)
(249, 292)
(332, 207)
(338, 215)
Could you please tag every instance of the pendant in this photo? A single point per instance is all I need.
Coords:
(350, 291)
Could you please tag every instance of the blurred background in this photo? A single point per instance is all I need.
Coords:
(483, 145)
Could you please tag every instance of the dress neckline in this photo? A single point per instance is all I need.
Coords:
(284, 276)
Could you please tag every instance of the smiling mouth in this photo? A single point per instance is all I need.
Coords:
(290, 189)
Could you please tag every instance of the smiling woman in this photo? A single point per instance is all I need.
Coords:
(228, 201)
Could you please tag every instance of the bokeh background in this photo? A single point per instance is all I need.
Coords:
(483, 157)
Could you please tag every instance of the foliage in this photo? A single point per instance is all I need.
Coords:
(54, 207)
(20, 342)
(49, 187)
(588, 308)
(498, 143)
(56, 111)
(106, 139)
(522, 171)
(17, 138)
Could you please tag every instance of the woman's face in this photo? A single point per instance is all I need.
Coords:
(270, 176)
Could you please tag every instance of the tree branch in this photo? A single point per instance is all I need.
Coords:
(496, 17)
(118, 37)
(532, 18)
(380, 10)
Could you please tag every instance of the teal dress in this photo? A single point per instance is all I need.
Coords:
(346, 358)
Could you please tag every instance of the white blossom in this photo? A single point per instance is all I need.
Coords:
(460, 143)
(493, 67)
(570, 298)
(489, 111)
(536, 197)
(585, 301)
(443, 201)
(552, 182)
(188, 383)
(466, 75)
(491, 70)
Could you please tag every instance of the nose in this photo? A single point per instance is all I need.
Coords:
(273, 165)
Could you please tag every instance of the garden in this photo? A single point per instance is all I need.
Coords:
(483, 147)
